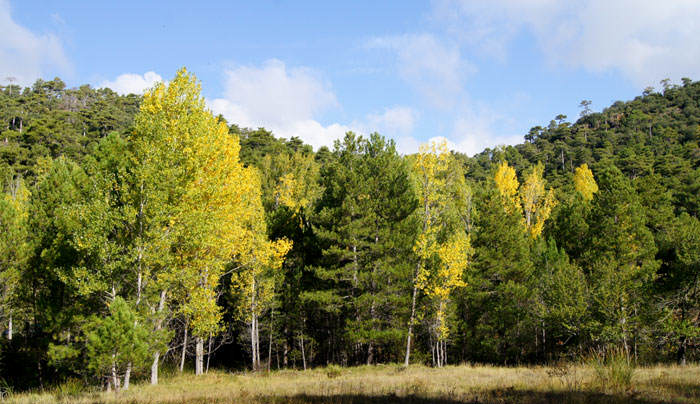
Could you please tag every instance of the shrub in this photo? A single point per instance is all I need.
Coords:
(613, 368)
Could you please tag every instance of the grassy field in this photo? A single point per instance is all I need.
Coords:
(393, 384)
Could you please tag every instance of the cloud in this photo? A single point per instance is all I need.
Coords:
(26, 56)
(646, 40)
(477, 127)
(130, 83)
(435, 68)
(474, 131)
(273, 94)
(284, 100)
(392, 122)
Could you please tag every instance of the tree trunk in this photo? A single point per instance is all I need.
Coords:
(269, 345)
(159, 325)
(411, 321)
(285, 349)
(115, 377)
(303, 354)
(253, 330)
(127, 376)
(199, 357)
(208, 354)
(154, 368)
(184, 349)
(253, 345)
(681, 351)
(9, 328)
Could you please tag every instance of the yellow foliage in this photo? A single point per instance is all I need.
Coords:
(584, 182)
(217, 212)
(536, 201)
(443, 249)
(507, 184)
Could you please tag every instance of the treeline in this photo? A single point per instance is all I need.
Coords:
(132, 238)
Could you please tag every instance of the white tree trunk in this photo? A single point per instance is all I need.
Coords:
(115, 378)
(127, 376)
(154, 368)
(407, 359)
(301, 343)
(199, 357)
(159, 325)
(184, 349)
(9, 329)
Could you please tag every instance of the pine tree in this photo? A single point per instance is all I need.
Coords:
(499, 295)
(620, 258)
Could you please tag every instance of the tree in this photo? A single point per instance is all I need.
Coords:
(442, 246)
(620, 258)
(537, 203)
(507, 184)
(116, 343)
(585, 106)
(207, 202)
(680, 286)
(14, 246)
(499, 299)
(364, 216)
(584, 183)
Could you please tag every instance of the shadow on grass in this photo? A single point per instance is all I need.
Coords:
(679, 389)
(493, 396)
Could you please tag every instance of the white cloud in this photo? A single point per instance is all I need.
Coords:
(26, 56)
(286, 101)
(646, 40)
(392, 122)
(273, 94)
(475, 131)
(476, 128)
(131, 83)
(433, 67)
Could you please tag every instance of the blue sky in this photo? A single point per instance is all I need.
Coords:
(479, 73)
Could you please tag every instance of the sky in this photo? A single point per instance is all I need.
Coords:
(477, 73)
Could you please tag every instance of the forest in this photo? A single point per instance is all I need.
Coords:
(139, 233)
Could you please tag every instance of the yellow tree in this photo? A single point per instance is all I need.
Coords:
(289, 187)
(13, 245)
(442, 248)
(207, 204)
(584, 182)
(507, 184)
(536, 201)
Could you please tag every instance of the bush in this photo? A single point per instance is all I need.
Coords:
(614, 369)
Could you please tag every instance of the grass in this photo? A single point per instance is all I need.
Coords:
(393, 384)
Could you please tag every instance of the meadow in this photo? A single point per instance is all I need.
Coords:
(395, 384)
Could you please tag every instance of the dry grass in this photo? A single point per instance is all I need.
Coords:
(393, 384)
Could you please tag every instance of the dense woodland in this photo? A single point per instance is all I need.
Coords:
(141, 232)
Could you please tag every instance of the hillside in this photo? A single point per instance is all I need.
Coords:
(151, 222)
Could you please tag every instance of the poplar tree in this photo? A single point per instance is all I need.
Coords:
(536, 201)
(205, 207)
(584, 183)
(442, 246)
(14, 247)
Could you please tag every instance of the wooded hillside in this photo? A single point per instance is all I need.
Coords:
(137, 231)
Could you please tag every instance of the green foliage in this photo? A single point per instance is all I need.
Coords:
(114, 223)
(117, 340)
